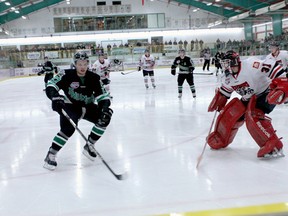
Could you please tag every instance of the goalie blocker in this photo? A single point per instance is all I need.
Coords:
(278, 91)
(233, 116)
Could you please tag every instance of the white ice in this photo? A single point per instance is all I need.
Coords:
(153, 135)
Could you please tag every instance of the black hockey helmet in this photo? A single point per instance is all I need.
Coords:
(101, 54)
(80, 56)
(147, 51)
(274, 43)
(181, 51)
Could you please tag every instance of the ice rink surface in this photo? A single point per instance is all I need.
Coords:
(153, 135)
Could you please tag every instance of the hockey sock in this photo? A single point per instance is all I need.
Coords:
(96, 132)
(152, 80)
(192, 87)
(59, 141)
(146, 80)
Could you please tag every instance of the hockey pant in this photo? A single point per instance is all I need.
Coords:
(146, 74)
(90, 113)
(190, 80)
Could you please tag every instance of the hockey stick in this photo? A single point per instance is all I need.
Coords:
(202, 73)
(128, 72)
(202, 153)
(118, 176)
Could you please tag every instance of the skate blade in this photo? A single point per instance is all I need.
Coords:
(88, 155)
(49, 167)
(275, 154)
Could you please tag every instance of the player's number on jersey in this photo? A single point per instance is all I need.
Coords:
(266, 68)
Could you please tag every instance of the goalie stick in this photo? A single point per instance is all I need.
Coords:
(203, 150)
(128, 72)
(118, 176)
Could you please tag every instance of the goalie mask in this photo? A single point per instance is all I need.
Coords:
(230, 60)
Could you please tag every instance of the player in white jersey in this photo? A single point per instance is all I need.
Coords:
(250, 78)
(281, 56)
(101, 67)
(147, 63)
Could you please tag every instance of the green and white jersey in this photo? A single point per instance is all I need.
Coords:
(80, 91)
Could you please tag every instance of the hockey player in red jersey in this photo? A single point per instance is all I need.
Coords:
(147, 63)
(281, 56)
(250, 78)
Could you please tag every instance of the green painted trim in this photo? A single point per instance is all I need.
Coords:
(241, 211)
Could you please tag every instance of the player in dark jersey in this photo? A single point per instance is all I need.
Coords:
(81, 88)
(49, 69)
(216, 60)
(186, 68)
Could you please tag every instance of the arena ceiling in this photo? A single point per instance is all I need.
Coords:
(236, 10)
(230, 10)
(14, 9)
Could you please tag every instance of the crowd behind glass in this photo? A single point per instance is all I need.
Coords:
(161, 49)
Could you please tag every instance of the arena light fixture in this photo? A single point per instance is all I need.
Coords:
(219, 22)
(277, 6)
(239, 17)
(262, 10)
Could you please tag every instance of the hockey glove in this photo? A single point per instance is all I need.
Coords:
(218, 102)
(58, 103)
(191, 69)
(105, 117)
(40, 72)
(106, 81)
(139, 68)
(278, 91)
(173, 71)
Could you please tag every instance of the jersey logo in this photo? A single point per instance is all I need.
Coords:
(74, 85)
(243, 89)
(256, 65)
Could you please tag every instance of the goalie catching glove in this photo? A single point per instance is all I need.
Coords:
(218, 102)
(278, 91)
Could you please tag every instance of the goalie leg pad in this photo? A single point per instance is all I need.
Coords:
(227, 124)
(261, 129)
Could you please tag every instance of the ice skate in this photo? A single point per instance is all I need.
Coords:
(274, 154)
(146, 85)
(89, 151)
(194, 95)
(154, 86)
(180, 95)
(50, 160)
